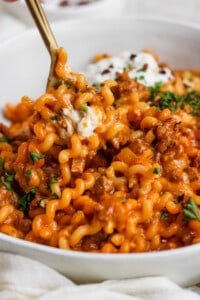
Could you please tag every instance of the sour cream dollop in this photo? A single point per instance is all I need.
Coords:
(84, 123)
(143, 67)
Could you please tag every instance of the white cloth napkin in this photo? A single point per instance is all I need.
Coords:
(25, 279)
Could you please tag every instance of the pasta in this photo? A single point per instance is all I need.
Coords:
(108, 167)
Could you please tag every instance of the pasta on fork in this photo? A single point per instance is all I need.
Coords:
(110, 165)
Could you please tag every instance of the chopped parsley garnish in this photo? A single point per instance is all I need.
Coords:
(157, 170)
(84, 108)
(129, 67)
(122, 199)
(191, 211)
(54, 118)
(154, 90)
(2, 162)
(139, 78)
(55, 196)
(191, 78)
(193, 100)
(53, 180)
(28, 173)
(4, 139)
(7, 179)
(59, 82)
(68, 85)
(35, 156)
(9, 176)
(7, 184)
(25, 200)
(141, 70)
(164, 216)
(97, 85)
(172, 101)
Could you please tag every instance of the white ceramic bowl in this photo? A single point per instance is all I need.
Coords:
(97, 8)
(24, 69)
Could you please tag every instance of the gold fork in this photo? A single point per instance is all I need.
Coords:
(43, 26)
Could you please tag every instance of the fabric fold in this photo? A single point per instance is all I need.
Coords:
(22, 278)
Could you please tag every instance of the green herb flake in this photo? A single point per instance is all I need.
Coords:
(54, 118)
(53, 180)
(166, 99)
(28, 173)
(157, 170)
(154, 90)
(59, 82)
(68, 85)
(2, 162)
(5, 139)
(7, 184)
(7, 179)
(164, 216)
(48, 187)
(191, 78)
(141, 77)
(141, 70)
(9, 176)
(34, 156)
(128, 68)
(191, 211)
(97, 85)
(55, 196)
(33, 189)
(122, 199)
(84, 108)
(25, 200)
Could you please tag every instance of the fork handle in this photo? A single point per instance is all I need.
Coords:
(41, 21)
(43, 26)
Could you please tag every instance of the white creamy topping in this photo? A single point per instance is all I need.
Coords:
(91, 120)
(84, 122)
(72, 113)
(143, 67)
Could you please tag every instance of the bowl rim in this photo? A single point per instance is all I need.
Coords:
(182, 251)
(91, 255)
(56, 24)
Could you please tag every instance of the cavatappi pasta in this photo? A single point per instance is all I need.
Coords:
(110, 168)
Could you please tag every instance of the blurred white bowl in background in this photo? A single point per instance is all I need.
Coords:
(175, 10)
(94, 9)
